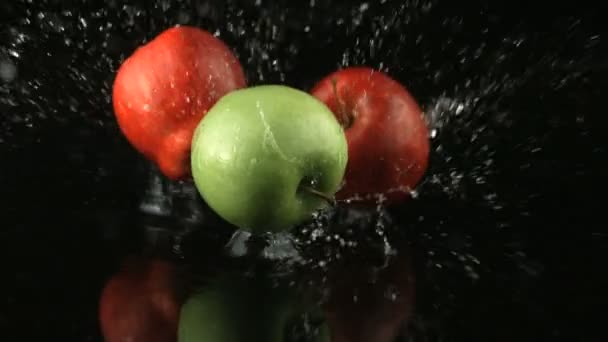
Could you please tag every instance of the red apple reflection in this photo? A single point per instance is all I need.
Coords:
(141, 302)
(364, 307)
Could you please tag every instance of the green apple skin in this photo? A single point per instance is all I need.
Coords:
(254, 149)
(241, 309)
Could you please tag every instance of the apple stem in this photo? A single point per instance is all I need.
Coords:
(346, 120)
(329, 199)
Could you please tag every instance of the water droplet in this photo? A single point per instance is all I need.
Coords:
(8, 70)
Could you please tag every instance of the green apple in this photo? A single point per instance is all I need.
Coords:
(266, 157)
(242, 309)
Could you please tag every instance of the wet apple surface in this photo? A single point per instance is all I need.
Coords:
(388, 140)
(163, 90)
(261, 156)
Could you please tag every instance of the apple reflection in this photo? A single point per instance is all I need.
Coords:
(141, 302)
(370, 304)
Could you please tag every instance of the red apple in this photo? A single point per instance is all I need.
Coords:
(164, 89)
(388, 144)
(363, 307)
(141, 302)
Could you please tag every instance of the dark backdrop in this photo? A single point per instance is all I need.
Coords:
(508, 227)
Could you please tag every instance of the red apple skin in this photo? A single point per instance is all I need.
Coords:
(141, 303)
(388, 143)
(164, 89)
(381, 308)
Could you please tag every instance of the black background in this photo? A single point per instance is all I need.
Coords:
(508, 228)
